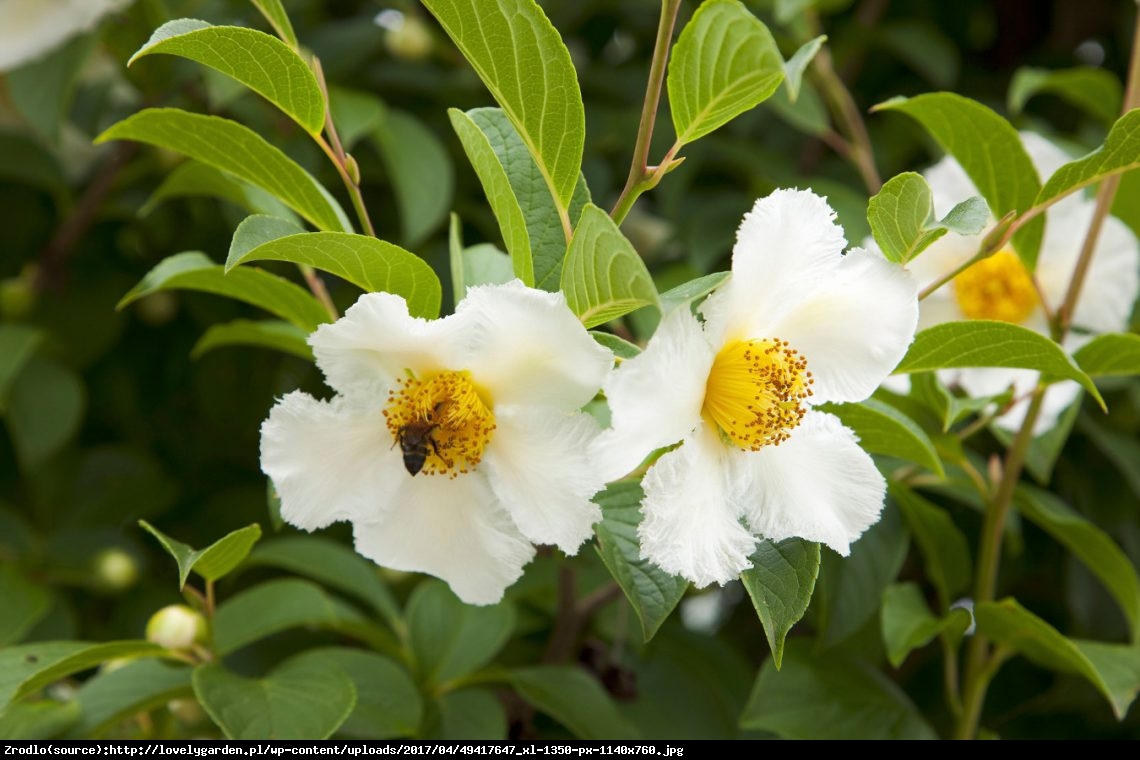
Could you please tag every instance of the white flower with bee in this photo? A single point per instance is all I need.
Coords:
(453, 445)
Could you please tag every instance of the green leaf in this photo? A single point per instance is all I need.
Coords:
(795, 66)
(882, 429)
(370, 264)
(521, 59)
(780, 583)
(237, 150)
(30, 667)
(451, 639)
(42, 719)
(651, 592)
(1093, 90)
(990, 152)
(216, 560)
(1092, 546)
(355, 113)
(191, 178)
(279, 336)
(1114, 669)
(725, 62)
(603, 277)
(468, 715)
(193, 270)
(119, 693)
(685, 294)
(421, 172)
(1120, 153)
(922, 46)
(279, 605)
(275, 14)
(908, 623)
(17, 344)
(1110, 354)
(45, 407)
(387, 701)
(258, 60)
(25, 604)
(620, 347)
(943, 546)
(949, 407)
(1122, 451)
(829, 696)
(575, 699)
(332, 564)
(985, 343)
(257, 230)
(902, 220)
(43, 90)
(1046, 448)
(482, 264)
(301, 699)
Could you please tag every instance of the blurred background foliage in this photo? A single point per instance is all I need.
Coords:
(112, 416)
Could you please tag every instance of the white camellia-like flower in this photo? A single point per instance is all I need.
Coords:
(798, 323)
(32, 28)
(452, 444)
(1001, 288)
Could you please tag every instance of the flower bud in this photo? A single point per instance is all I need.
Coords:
(408, 40)
(115, 570)
(176, 627)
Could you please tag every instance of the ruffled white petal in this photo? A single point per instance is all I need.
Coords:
(854, 328)
(32, 28)
(329, 460)
(538, 465)
(376, 340)
(453, 529)
(525, 346)
(655, 398)
(818, 485)
(690, 515)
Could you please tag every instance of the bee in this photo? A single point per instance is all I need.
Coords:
(414, 439)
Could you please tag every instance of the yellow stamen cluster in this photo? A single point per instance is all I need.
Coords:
(998, 287)
(755, 392)
(443, 420)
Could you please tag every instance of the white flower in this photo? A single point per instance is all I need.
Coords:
(483, 404)
(32, 28)
(798, 324)
(1001, 288)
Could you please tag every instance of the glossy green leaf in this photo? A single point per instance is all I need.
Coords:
(451, 639)
(651, 591)
(603, 277)
(387, 701)
(260, 61)
(468, 715)
(275, 14)
(1120, 153)
(521, 59)
(17, 345)
(194, 271)
(1110, 354)
(279, 336)
(951, 408)
(985, 343)
(257, 230)
(882, 429)
(421, 173)
(191, 178)
(943, 545)
(42, 91)
(686, 293)
(575, 699)
(725, 62)
(989, 150)
(45, 407)
(1088, 543)
(25, 604)
(332, 564)
(279, 605)
(1095, 91)
(41, 719)
(902, 219)
(213, 562)
(830, 696)
(119, 693)
(908, 623)
(301, 699)
(620, 347)
(780, 583)
(237, 150)
(30, 667)
(795, 66)
(1114, 669)
(370, 264)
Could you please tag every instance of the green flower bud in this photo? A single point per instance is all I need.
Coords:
(176, 627)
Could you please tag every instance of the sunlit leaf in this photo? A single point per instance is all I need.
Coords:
(1120, 153)
(882, 429)
(902, 219)
(1095, 91)
(275, 14)
(213, 562)
(1110, 354)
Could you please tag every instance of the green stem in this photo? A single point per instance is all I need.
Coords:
(639, 171)
(345, 164)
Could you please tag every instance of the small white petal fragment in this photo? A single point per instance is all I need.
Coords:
(30, 29)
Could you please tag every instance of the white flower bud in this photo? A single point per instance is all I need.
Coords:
(115, 570)
(176, 627)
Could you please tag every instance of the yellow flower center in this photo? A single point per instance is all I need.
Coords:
(755, 392)
(998, 287)
(441, 424)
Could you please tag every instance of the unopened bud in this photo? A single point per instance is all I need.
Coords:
(409, 39)
(352, 168)
(115, 570)
(176, 627)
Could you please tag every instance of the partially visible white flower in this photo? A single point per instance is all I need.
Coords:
(482, 406)
(1001, 288)
(799, 323)
(32, 28)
